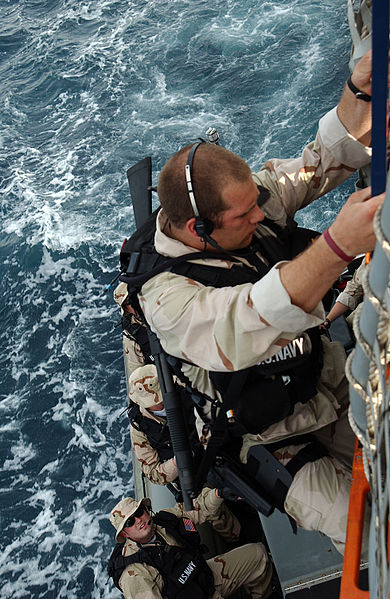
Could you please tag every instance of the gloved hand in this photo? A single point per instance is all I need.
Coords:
(326, 324)
(217, 481)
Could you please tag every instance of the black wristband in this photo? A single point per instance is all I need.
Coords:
(327, 323)
(358, 94)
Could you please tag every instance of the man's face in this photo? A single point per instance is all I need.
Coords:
(157, 408)
(238, 222)
(142, 530)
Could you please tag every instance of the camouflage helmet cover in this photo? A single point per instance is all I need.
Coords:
(144, 387)
(123, 510)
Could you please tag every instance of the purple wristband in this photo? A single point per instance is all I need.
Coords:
(335, 248)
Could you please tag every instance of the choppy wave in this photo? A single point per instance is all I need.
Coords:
(87, 89)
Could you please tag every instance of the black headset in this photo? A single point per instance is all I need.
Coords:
(204, 227)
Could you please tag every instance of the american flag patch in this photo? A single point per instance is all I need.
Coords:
(189, 525)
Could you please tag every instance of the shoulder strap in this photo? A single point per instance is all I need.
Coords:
(139, 264)
(146, 555)
(163, 517)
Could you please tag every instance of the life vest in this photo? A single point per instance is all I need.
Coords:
(288, 377)
(157, 433)
(184, 571)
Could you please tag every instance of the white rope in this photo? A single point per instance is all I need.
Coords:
(375, 440)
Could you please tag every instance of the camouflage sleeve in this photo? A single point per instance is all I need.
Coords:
(353, 292)
(222, 329)
(131, 350)
(155, 470)
(324, 163)
(206, 506)
(139, 581)
(132, 355)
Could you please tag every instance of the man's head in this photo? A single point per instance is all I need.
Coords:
(224, 190)
(144, 388)
(131, 519)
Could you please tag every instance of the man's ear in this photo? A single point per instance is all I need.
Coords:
(190, 227)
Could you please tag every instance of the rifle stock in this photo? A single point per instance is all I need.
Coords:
(235, 481)
(139, 177)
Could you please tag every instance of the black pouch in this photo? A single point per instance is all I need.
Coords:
(263, 402)
(257, 401)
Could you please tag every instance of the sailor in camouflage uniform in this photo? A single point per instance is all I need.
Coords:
(232, 328)
(145, 391)
(247, 566)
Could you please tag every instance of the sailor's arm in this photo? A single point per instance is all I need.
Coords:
(216, 329)
(153, 467)
(307, 277)
(337, 310)
(355, 113)
(141, 582)
(353, 292)
(349, 298)
(206, 505)
(324, 164)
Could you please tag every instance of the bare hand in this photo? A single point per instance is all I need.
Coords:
(361, 76)
(353, 229)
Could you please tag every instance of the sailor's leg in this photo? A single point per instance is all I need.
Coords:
(247, 566)
(338, 436)
(318, 499)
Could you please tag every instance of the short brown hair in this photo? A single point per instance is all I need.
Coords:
(213, 168)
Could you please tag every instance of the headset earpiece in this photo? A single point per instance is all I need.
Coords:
(203, 227)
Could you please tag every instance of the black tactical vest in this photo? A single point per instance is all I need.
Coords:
(157, 433)
(269, 390)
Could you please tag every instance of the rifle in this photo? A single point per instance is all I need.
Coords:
(140, 180)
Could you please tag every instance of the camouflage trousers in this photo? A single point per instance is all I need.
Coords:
(247, 566)
(318, 497)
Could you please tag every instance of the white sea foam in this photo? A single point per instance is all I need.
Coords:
(22, 452)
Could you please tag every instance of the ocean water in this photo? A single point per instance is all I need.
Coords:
(87, 89)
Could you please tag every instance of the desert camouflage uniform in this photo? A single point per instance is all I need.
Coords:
(144, 390)
(353, 292)
(232, 328)
(247, 565)
(224, 523)
(156, 470)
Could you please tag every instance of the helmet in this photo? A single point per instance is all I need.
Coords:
(144, 387)
(123, 510)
